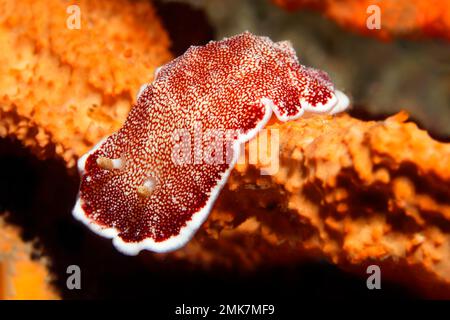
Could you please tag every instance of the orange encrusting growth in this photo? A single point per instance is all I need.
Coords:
(353, 192)
(63, 89)
(410, 18)
(21, 277)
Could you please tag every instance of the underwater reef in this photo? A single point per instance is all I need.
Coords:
(349, 191)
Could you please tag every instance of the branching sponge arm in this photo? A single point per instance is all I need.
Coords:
(354, 192)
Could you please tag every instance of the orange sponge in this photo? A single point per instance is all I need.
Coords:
(411, 18)
(21, 277)
(63, 89)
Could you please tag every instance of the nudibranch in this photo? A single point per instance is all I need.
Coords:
(152, 184)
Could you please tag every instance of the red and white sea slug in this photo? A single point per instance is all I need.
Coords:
(153, 183)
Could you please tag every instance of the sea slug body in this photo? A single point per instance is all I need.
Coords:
(153, 183)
